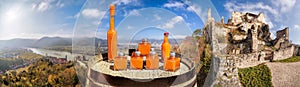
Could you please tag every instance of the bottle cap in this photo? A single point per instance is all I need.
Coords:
(112, 9)
(152, 49)
(137, 53)
(144, 40)
(166, 34)
(152, 53)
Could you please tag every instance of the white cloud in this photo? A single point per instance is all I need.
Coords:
(268, 21)
(273, 36)
(126, 2)
(33, 6)
(92, 13)
(59, 33)
(174, 5)
(179, 36)
(275, 9)
(172, 22)
(43, 6)
(197, 9)
(77, 15)
(253, 7)
(73, 17)
(133, 12)
(296, 26)
(60, 4)
(157, 17)
(96, 22)
(129, 27)
(191, 7)
(284, 5)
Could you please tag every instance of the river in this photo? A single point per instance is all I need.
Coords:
(53, 53)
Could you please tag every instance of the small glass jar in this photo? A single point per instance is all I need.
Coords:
(172, 63)
(152, 60)
(136, 62)
(120, 62)
(144, 47)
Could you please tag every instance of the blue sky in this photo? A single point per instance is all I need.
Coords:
(35, 19)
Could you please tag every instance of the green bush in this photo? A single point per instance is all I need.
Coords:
(206, 60)
(257, 76)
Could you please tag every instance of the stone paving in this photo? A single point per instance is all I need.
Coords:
(285, 74)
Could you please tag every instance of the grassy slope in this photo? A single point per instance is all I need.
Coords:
(257, 76)
(291, 59)
(29, 55)
(6, 62)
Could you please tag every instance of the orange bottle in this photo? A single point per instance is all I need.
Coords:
(144, 47)
(172, 64)
(120, 62)
(165, 47)
(136, 62)
(152, 60)
(112, 36)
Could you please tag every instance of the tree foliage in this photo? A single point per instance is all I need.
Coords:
(42, 73)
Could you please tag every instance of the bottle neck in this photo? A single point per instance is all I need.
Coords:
(166, 39)
(112, 22)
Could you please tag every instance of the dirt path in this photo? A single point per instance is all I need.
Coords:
(285, 74)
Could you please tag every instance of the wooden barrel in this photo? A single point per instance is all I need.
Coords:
(187, 79)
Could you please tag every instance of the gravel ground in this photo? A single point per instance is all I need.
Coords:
(285, 74)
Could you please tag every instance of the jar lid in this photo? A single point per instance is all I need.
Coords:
(173, 54)
(138, 53)
(120, 54)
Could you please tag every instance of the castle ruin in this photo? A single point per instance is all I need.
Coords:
(244, 41)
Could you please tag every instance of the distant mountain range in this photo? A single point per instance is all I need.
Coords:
(43, 42)
(60, 41)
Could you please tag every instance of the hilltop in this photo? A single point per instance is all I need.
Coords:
(42, 73)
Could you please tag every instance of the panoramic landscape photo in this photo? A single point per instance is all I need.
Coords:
(155, 43)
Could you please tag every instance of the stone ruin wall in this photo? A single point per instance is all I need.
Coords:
(284, 53)
(225, 63)
(248, 60)
(223, 72)
(297, 50)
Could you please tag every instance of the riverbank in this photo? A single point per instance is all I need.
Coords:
(53, 53)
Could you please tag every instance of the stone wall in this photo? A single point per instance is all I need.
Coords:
(297, 50)
(284, 53)
(223, 72)
(249, 60)
(224, 68)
